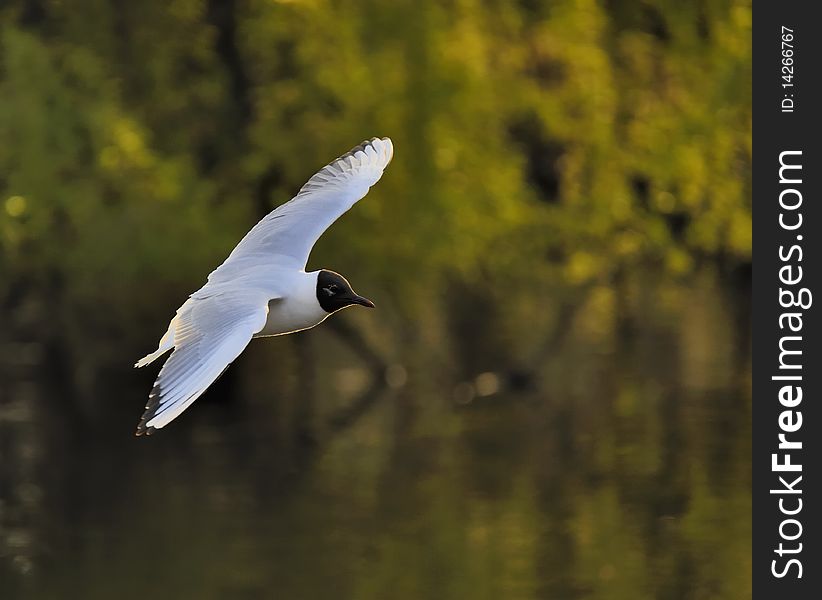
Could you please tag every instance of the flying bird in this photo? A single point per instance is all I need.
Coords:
(262, 288)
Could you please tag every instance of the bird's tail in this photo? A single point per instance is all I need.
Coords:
(166, 344)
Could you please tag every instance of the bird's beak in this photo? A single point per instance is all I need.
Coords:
(362, 301)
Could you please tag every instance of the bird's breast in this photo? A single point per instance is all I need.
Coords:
(287, 316)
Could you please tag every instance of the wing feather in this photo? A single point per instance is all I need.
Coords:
(288, 233)
(209, 334)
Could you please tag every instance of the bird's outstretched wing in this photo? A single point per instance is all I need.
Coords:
(287, 234)
(207, 334)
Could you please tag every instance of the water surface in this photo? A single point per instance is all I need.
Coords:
(622, 471)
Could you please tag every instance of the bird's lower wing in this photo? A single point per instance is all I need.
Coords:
(209, 334)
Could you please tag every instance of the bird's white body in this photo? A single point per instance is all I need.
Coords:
(262, 288)
(297, 310)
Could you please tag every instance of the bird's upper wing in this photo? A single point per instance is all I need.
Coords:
(287, 234)
(209, 333)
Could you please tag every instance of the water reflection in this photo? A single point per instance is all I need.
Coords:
(622, 472)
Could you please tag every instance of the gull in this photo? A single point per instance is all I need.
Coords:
(262, 288)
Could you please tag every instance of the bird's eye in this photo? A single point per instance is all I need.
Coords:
(331, 290)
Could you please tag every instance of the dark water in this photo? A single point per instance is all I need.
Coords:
(622, 471)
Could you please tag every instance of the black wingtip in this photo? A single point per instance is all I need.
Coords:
(151, 409)
(143, 430)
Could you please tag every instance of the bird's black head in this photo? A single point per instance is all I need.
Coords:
(334, 292)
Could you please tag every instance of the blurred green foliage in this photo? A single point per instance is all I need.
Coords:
(556, 142)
